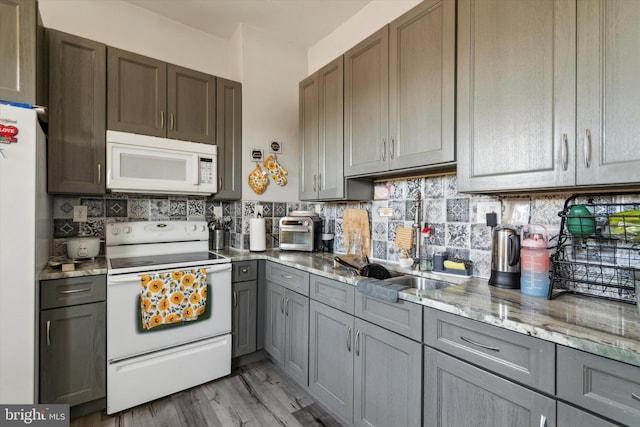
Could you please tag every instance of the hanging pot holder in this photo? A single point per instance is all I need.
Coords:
(258, 180)
(278, 173)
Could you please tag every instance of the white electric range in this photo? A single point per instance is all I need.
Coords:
(146, 364)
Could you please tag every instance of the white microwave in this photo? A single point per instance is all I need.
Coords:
(148, 164)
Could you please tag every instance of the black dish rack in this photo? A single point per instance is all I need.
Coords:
(598, 252)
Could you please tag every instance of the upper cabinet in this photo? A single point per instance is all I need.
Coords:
(152, 97)
(400, 94)
(18, 50)
(521, 122)
(229, 139)
(77, 100)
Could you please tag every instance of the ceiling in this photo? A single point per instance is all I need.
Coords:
(302, 22)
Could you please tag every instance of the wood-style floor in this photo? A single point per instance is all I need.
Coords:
(257, 395)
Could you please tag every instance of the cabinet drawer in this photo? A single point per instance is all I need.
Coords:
(521, 358)
(333, 293)
(72, 291)
(604, 386)
(244, 271)
(402, 317)
(289, 277)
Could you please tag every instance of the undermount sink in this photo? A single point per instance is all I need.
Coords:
(420, 283)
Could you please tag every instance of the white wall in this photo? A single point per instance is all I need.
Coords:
(126, 26)
(271, 72)
(370, 19)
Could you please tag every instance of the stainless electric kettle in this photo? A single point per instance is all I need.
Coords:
(505, 258)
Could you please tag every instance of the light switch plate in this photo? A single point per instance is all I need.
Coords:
(217, 211)
(80, 213)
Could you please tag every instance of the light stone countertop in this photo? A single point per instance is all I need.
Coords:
(606, 328)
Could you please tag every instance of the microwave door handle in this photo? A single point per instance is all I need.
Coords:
(195, 180)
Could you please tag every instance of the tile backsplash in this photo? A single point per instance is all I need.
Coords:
(451, 215)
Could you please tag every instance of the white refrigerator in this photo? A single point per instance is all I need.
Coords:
(25, 230)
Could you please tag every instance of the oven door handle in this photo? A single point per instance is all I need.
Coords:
(134, 277)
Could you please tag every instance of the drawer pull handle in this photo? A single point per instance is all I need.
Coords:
(358, 343)
(635, 396)
(543, 421)
(349, 339)
(75, 291)
(287, 276)
(48, 333)
(488, 347)
(235, 299)
(244, 270)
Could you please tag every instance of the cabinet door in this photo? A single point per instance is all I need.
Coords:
(77, 96)
(296, 361)
(243, 326)
(387, 378)
(73, 354)
(229, 139)
(137, 93)
(308, 119)
(516, 94)
(608, 100)
(331, 359)
(274, 335)
(459, 394)
(18, 50)
(568, 416)
(422, 86)
(366, 105)
(331, 127)
(191, 105)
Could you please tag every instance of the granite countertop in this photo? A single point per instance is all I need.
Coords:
(606, 328)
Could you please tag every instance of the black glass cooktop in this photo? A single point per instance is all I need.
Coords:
(190, 258)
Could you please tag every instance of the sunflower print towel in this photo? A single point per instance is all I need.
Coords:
(172, 297)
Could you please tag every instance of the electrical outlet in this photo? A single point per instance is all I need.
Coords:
(217, 211)
(488, 207)
(318, 209)
(258, 211)
(80, 213)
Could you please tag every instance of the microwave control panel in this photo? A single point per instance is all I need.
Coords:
(206, 170)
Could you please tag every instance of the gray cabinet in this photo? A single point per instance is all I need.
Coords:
(331, 338)
(519, 64)
(569, 416)
(77, 96)
(229, 139)
(604, 386)
(399, 94)
(287, 330)
(151, 97)
(459, 394)
(18, 50)
(402, 317)
(73, 340)
(387, 378)
(245, 304)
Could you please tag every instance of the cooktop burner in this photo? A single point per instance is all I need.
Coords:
(178, 260)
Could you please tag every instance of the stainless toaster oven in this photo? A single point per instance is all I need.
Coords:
(300, 233)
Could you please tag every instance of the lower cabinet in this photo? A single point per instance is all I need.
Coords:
(287, 330)
(72, 340)
(459, 394)
(568, 416)
(331, 339)
(243, 322)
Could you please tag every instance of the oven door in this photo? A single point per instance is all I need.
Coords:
(126, 338)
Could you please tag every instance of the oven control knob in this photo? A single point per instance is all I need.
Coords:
(194, 227)
(115, 231)
(127, 230)
(203, 228)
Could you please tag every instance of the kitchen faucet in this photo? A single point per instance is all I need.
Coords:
(416, 227)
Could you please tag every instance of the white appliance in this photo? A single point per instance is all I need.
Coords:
(148, 164)
(24, 248)
(143, 365)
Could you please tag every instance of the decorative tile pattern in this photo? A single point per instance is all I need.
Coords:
(434, 210)
(267, 209)
(410, 210)
(159, 209)
(437, 234)
(116, 208)
(93, 227)
(64, 228)
(413, 187)
(481, 237)
(399, 209)
(379, 249)
(450, 186)
(292, 207)
(481, 263)
(397, 190)
(279, 209)
(59, 247)
(138, 208)
(177, 208)
(95, 207)
(63, 207)
(457, 235)
(195, 209)
(434, 187)
(379, 231)
(458, 210)
(248, 208)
